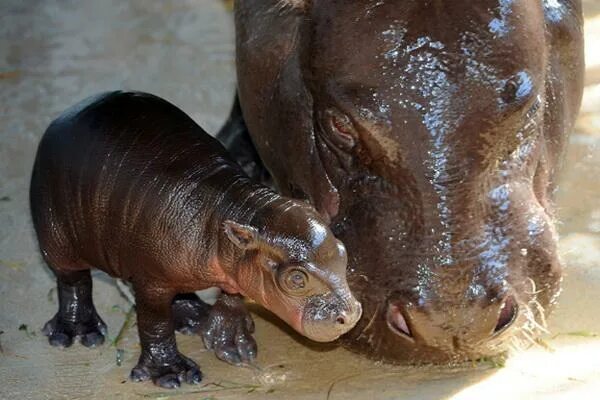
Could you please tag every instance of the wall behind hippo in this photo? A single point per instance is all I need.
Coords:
(57, 52)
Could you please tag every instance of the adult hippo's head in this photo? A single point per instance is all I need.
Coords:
(429, 133)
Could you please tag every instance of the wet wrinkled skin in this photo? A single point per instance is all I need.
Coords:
(127, 183)
(430, 133)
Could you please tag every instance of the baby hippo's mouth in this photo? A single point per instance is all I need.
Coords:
(327, 317)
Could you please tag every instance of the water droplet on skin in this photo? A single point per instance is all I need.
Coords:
(500, 26)
(419, 67)
(525, 85)
(554, 10)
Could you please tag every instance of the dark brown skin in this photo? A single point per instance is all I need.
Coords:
(127, 183)
(430, 133)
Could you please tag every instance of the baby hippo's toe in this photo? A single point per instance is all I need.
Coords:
(228, 331)
(169, 375)
(235, 349)
(231, 340)
(62, 332)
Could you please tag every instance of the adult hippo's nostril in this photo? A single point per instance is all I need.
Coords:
(508, 314)
(397, 321)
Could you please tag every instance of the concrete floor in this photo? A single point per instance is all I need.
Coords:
(53, 53)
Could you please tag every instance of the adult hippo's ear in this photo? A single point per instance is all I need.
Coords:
(243, 236)
(564, 21)
(276, 104)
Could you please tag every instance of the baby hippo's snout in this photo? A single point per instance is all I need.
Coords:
(327, 317)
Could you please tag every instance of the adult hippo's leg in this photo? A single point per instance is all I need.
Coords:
(235, 137)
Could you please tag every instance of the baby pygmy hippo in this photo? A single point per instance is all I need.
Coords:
(127, 183)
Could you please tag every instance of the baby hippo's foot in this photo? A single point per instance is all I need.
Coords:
(169, 373)
(189, 312)
(228, 331)
(62, 332)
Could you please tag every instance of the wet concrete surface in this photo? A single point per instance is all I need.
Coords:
(54, 53)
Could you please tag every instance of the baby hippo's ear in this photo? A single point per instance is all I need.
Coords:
(243, 236)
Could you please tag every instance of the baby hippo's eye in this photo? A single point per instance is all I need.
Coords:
(294, 280)
(297, 280)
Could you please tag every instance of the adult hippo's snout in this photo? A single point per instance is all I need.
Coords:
(423, 327)
(430, 134)
(448, 295)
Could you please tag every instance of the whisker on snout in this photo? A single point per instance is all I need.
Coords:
(534, 324)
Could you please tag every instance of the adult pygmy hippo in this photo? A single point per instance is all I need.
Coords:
(430, 133)
(127, 183)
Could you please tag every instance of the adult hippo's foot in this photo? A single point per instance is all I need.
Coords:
(228, 329)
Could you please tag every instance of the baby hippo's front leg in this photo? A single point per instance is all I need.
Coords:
(228, 330)
(160, 360)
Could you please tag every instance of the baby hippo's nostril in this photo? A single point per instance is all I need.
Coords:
(508, 314)
(347, 318)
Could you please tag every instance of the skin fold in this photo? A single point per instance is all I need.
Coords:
(430, 135)
(127, 183)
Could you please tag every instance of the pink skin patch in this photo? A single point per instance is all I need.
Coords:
(508, 313)
(222, 279)
(296, 321)
(397, 321)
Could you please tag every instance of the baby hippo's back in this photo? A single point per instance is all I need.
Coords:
(127, 170)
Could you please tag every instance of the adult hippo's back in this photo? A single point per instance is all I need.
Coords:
(429, 132)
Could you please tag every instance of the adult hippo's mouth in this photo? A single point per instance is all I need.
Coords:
(490, 293)
(398, 333)
(398, 323)
(430, 133)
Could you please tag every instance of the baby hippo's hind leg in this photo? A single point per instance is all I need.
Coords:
(189, 313)
(76, 316)
(160, 360)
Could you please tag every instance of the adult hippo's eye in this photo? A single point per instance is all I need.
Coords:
(294, 281)
(342, 132)
(509, 91)
(517, 89)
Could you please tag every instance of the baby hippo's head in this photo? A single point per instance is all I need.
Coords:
(294, 266)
